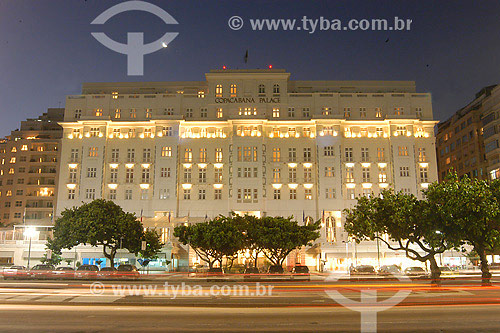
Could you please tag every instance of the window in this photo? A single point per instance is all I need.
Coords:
(112, 194)
(307, 175)
(401, 130)
(421, 155)
(130, 155)
(364, 155)
(218, 155)
(276, 89)
(98, 112)
(71, 194)
(365, 175)
(276, 175)
(219, 113)
(188, 155)
(12, 160)
(362, 112)
(277, 194)
(147, 133)
(203, 155)
(262, 89)
(378, 113)
(306, 113)
(19, 181)
(293, 194)
(307, 154)
(113, 176)
(144, 194)
(380, 154)
(128, 194)
(115, 154)
(78, 114)
(203, 113)
(398, 111)
(149, 113)
(11, 171)
(249, 154)
(403, 151)
(201, 194)
(118, 113)
(347, 112)
(232, 90)
(145, 175)
(187, 175)
(349, 178)
(91, 172)
(18, 203)
(418, 112)
(276, 112)
(167, 131)
(367, 192)
(92, 151)
(72, 176)
(423, 175)
(202, 175)
(329, 151)
(164, 194)
(168, 111)
(330, 193)
(166, 151)
(90, 194)
(146, 155)
(276, 155)
(329, 171)
(292, 175)
(7, 204)
(404, 171)
(133, 113)
(291, 112)
(348, 154)
(24, 147)
(129, 175)
(165, 172)
(218, 194)
(308, 194)
(218, 175)
(218, 90)
(131, 133)
(382, 175)
(292, 154)
(351, 194)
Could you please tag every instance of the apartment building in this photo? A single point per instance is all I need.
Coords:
(249, 141)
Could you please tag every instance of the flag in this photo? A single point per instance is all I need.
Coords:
(141, 215)
(323, 216)
(168, 216)
(246, 57)
(303, 217)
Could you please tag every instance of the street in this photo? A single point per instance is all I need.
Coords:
(68, 306)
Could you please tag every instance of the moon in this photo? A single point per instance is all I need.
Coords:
(164, 44)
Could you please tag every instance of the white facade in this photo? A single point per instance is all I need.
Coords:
(248, 141)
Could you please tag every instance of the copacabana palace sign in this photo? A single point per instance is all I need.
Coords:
(230, 100)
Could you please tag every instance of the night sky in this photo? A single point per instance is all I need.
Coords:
(46, 50)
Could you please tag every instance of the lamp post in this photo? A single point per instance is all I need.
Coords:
(29, 232)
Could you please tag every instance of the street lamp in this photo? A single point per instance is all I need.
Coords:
(29, 232)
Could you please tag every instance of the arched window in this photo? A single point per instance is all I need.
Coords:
(233, 90)
(218, 90)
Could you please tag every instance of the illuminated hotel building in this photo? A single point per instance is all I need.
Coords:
(249, 141)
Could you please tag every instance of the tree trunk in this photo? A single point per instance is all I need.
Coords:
(485, 270)
(255, 261)
(435, 271)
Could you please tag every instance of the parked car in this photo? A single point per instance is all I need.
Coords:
(127, 271)
(275, 270)
(251, 273)
(63, 272)
(86, 272)
(300, 272)
(363, 270)
(107, 273)
(15, 272)
(447, 272)
(415, 272)
(41, 271)
(389, 270)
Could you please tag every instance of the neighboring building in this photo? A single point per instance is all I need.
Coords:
(249, 141)
(460, 139)
(28, 179)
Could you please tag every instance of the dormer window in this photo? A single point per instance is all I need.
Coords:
(218, 90)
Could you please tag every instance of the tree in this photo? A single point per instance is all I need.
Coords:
(467, 211)
(278, 236)
(102, 223)
(250, 227)
(54, 260)
(407, 222)
(212, 240)
(153, 244)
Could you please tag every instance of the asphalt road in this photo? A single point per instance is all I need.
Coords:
(73, 306)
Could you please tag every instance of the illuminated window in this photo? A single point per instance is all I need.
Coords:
(218, 175)
(349, 178)
(308, 194)
(114, 95)
(188, 155)
(378, 113)
(329, 171)
(133, 113)
(14, 150)
(382, 175)
(203, 155)
(381, 154)
(118, 113)
(401, 130)
(329, 193)
(201, 94)
(351, 194)
(398, 111)
(93, 151)
(362, 112)
(276, 175)
(94, 131)
(11, 171)
(98, 112)
(24, 147)
(166, 151)
(347, 112)
(167, 131)
(218, 90)
(218, 155)
(149, 113)
(276, 112)
(8, 194)
(219, 113)
(403, 151)
(421, 155)
(232, 90)
(326, 111)
(12, 160)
